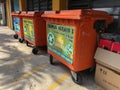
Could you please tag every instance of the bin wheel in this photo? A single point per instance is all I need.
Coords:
(51, 60)
(35, 51)
(77, 77)
(15, 36)
(21, 40)
(27, 44)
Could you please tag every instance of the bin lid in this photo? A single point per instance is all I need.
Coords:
(74, 14)
(23, 13)
(16, 13)
(32, 13)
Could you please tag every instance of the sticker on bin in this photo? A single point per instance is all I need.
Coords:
(28, 29)
(16, 22)
(60, 40)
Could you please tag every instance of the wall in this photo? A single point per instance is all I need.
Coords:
(16, 5)
(3, 13)
(23, 5)
(59, 4)
(106, 3)
(113, 8)
(8, 11)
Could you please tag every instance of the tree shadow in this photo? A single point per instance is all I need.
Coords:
(10, 67)
(21, 70)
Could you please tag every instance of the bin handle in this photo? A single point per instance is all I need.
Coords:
(57, 12)
(100, 26)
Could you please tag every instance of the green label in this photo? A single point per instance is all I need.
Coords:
(60, 40)
(28, 29)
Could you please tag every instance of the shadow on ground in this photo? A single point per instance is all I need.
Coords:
(20, 69)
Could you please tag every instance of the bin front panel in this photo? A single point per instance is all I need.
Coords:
(16, 24)
(60, 39)
(28, 26)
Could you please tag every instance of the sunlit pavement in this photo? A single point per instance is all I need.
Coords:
(21, 70)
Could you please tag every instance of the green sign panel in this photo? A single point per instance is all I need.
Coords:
(28, 29)
(60, 40)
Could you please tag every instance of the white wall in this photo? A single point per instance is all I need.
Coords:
(113, 11)
(3, 13)
(111, 6)
(106, 3)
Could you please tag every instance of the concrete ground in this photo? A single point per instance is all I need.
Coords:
(21, 70)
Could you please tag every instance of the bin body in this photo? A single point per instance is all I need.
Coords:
(17, 24)
(71, 37)
(34, 28)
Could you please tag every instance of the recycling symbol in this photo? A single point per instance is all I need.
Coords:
(69, 49)
(51, 39)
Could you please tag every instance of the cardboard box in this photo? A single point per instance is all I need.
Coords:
(108, 59)
(106, 78)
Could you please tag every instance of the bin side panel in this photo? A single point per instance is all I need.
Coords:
(21, 27)
(16, 24)
(28, 26)
(40, 32)
(64, 23)
(60, 40)
(35, 30)
(85, 45)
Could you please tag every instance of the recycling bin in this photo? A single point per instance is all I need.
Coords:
(34, 27)
(18, 26)
(72, 36)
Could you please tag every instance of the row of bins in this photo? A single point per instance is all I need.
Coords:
(70, 35)
(31, 28)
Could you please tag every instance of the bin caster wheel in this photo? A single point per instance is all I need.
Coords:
(35, 51)
(51, 60)
(77, 77)
(15, 36)
(21, 40)
(27, 44)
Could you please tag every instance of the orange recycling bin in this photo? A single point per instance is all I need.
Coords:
(34, 27)
(18, 26)
(72, 36)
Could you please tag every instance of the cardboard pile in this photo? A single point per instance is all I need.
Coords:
(107, 69)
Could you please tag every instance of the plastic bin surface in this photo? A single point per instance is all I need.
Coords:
(71, 37)
(17, 23)
(34, 28)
